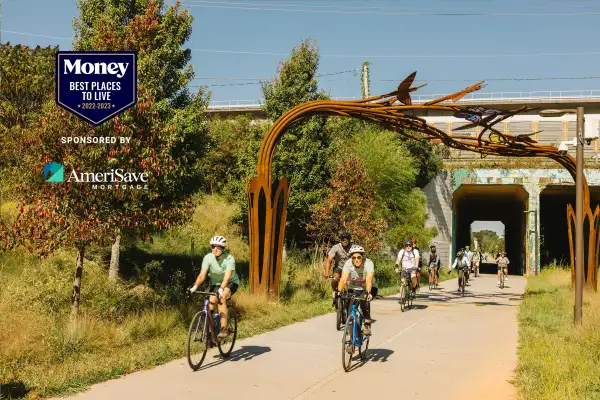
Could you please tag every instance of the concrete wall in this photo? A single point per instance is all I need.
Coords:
(439, 206)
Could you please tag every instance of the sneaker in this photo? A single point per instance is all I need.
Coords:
(223, 333)
(366, 330)
(498, 284)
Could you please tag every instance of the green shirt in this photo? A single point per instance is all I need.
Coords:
(216, 269)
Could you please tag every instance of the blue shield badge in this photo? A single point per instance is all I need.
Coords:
(96, 85)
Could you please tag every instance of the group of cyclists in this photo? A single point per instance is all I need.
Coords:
(351, 267)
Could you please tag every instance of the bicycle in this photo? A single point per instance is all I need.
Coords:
(502, 277)
(353, 337)
(204, 328)
(461, 280)
(433, 278)
(341, 308)
(405, 290)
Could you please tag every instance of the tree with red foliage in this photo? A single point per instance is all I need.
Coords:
(350, 206)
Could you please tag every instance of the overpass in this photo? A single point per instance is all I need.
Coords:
(529, 196)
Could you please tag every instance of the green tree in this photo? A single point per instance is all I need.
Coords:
(349, 206)
(164, 71)
(27, 82)
(158, 38)
(488, 241)
(77, 214)
(303, 151)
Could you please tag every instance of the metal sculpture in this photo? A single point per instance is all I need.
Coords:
(267, 199)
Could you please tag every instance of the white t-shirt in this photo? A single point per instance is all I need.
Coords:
(358, 276)
(408, 260)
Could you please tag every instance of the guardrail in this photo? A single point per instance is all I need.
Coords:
(490, 97)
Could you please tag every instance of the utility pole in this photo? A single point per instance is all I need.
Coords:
(365, 79)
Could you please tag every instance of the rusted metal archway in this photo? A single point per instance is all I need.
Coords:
(267, 199)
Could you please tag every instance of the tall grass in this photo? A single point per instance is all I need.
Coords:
(558, 360)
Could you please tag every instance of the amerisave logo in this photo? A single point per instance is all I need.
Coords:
(96, 85)
(54, 172)
(113, 179)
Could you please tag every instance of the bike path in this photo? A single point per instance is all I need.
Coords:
(446, 345)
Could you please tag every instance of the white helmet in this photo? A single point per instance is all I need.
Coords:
(218, 241)
(356, 249)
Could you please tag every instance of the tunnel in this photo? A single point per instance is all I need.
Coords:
(554, 233)
(505, 203)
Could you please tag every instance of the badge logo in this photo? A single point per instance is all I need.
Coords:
(96, 85)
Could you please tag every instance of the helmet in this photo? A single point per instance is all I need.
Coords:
(467, 247)
(356, 249)
(218, 241)
(408, 243)
(432, 246)
(345, 235)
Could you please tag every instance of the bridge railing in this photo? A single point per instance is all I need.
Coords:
(489, 97)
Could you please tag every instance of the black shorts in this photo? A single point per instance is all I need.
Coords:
(337, 270)
(232, 286)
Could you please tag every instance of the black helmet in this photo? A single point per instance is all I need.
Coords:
(408, 243)
(345, 235)
(432, 246)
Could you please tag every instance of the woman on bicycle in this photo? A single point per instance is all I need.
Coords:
(461, 262)
(502, 262)
(359, 271)
(219, 265)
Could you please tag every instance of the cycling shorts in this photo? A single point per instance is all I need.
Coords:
(232, 286)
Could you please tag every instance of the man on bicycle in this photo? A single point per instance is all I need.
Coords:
(339, 254)
(502, 262)
(476, 261)
(220, 268)
(359, 272)
(461, 262)
(434, 263)
(408, 261)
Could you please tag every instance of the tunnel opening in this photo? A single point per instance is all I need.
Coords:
(488, 238)
(554, 230)
(504, 203)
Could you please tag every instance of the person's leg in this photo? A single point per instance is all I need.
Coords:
(499, 276)
(337, 273)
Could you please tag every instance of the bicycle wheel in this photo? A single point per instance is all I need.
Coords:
(502, 280)
(409, 300)
(463, 284)
(431, 280)
(347, 345)
(402, 297)
(226, 345)
(197, 341)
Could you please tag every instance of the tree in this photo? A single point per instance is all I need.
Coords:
(349, 206)
(27, 82)
(303, 151)
(157, 37)
(488, 241)
(53, 215)
(394, 171)
(163, 65)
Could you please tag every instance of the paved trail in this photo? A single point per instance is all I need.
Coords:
(446, 346)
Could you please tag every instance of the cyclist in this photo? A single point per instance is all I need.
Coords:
(461, 262)
(420, 263)
(469, 255)
(502, 262)
(476, 261)
(408, 261)
(359, 272)
(339, 253)
(434, 263)
(219, 265)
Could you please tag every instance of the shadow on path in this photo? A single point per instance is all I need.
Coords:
(244, 353)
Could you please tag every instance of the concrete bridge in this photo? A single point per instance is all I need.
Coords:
(529, 196)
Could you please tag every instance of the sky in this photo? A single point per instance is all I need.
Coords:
(495, 226)
(451, 44)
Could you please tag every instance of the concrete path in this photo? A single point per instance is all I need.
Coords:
(446, 346)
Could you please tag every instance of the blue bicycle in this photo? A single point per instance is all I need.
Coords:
(354, 340)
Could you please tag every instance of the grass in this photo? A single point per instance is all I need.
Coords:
(140, 321)
(556, 359)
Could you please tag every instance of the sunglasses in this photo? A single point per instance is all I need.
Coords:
(217, 247)
(357, 257)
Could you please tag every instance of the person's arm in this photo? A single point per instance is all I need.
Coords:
(343, 280)
(417, 259)
(454, 264)
(229, 264)
(369, 284)
(398, 261)
(201, 276)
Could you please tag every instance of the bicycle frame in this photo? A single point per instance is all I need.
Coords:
(356, 313)
(209, 322)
